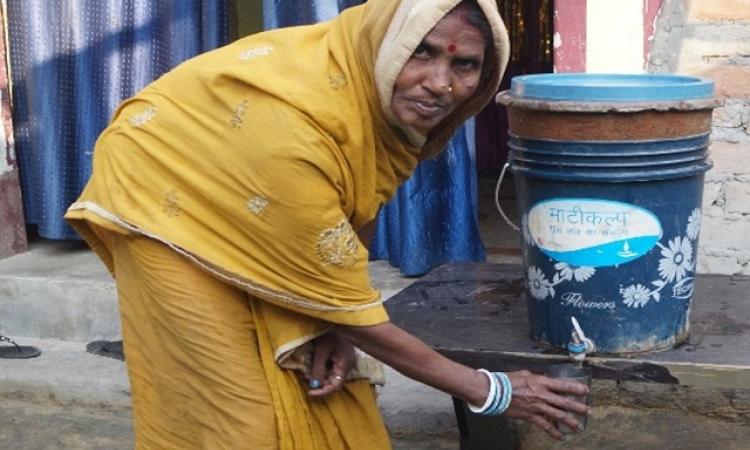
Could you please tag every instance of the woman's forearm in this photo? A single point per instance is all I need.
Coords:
(413, 358)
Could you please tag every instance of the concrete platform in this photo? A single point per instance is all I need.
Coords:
(696, 396)
(475, 313)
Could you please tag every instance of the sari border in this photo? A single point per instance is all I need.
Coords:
(232, 278)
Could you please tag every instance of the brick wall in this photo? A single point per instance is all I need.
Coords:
(711, 38)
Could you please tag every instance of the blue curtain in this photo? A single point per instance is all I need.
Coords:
(433, 217)
(72, 63)
(287, 13)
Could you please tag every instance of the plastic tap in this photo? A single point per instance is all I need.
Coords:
(579, 345)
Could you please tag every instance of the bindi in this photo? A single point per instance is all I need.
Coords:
(452, 48)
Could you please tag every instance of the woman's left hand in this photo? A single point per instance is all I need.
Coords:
(333, 358)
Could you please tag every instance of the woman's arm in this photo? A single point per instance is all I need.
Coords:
(367, 232)
(537, 399)
(413, 358)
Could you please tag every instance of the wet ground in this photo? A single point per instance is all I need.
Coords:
(616, 428)
(30, 426)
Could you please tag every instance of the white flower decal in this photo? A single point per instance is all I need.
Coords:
(538, 284)
(582, 274)
(677, 261)
(568, 272)
(540, 287)
(676, 265)
(694, 224)
(636, 296)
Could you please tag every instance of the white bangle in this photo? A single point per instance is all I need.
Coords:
(490, 397)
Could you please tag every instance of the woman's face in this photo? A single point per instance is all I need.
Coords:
(444, 70)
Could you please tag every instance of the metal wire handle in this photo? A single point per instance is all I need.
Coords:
(497, 199)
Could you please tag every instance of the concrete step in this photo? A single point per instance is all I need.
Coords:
(64, 374)
(58, 290)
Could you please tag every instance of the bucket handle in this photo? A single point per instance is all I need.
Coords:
(497, 199)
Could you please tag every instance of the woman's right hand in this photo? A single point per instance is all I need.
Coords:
(333, 358)
(542, 401)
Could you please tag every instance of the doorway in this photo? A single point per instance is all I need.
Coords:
(530, 26)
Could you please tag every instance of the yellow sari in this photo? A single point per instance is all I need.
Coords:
(251, 168)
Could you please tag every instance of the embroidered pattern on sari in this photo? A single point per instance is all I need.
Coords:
(238, 117)
(337, 81)
(143, 118)
(257, 204)
(253, 53)
(337, 246)
(172, 203)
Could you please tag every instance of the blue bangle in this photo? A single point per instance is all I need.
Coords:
(499, 397)
(504, 396)
(490, 411)
(507, 396)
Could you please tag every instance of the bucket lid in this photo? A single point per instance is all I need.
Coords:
(593, 87)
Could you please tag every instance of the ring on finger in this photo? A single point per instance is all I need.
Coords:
(338, 378)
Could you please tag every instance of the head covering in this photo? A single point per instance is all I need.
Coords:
(411, 22)
(259, 160)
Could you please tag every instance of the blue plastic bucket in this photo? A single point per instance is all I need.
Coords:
(609, 180)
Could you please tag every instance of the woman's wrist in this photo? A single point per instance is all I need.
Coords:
(498, 398)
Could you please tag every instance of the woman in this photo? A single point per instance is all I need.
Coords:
(225, 199)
